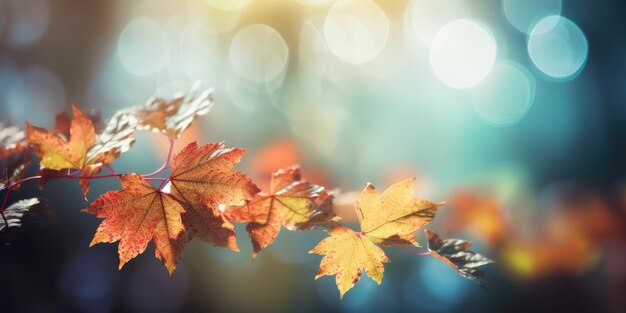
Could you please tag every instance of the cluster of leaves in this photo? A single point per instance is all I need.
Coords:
(186, 204)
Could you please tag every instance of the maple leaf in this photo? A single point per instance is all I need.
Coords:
(136, 215)
(202, 179)
(84, 149)
(346, 253)
(172, 116)
(57, 153)
(387, 219)
(391, 218)
(15, 154)
(63, 121)
(292, 202)
(454, 253)
(15, 167)
(12, 139)
(12, 215)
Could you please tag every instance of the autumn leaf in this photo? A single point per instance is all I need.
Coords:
(14, 167)
(63, 121)
(454, 253)
(172, 116)
(201, 179)
(15, 217)
(387, 219)
(346, 253)
(136, 215)
(57, 153)
(12, 215)
(292, 202)
(83, 149)
(391, 218)
(12, 139)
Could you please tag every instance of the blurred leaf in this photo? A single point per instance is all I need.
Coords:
(15, 167)
(172, 116)
(12, 139)
(478, 212)
(14, 216)
(292, 202)
(454, 253)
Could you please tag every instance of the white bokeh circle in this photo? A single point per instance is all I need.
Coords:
(258, 53)
(524, 14)
(462, 53)
(356, 30)
(143, 46)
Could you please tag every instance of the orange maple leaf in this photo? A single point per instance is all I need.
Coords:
(136, 215)
(387, 219)
(292, 202)
(201, 180)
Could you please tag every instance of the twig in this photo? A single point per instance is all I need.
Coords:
(167, 160)
(415, 252)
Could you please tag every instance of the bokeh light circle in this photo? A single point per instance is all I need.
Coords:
(426, 17)
(356, 30)
(558, 47)
(314, 2)
(28, 22)
(143, 46)
(258, 53)
(506, 95)
(36, 89)
(462, 53)
(229, 5)
(524, 14)
(210, 18)
(200, 54)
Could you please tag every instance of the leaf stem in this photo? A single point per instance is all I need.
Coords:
(415, 252)
(108, 166)
(167, 162)
(71, 175)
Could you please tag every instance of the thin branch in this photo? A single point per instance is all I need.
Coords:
(167, 160)
(155, 178)
(108, 166)
(4, 202)
(415, 252)
(71, 175)
(163, 183)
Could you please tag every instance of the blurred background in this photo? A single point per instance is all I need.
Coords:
(511, 111)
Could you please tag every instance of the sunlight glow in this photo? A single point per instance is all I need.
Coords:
(462, 53)
(356, 30)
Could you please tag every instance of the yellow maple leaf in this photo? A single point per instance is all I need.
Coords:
(387, 219)
(84, 149)
(391, 218)
(56, 153)
(346, 253)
